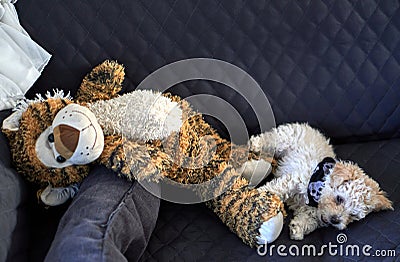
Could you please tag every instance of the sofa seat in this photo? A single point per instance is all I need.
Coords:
(332, 63)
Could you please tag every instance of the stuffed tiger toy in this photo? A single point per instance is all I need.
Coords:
(54, 140)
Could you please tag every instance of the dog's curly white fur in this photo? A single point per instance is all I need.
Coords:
(349, 193)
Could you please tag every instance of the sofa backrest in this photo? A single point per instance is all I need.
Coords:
(334, 64)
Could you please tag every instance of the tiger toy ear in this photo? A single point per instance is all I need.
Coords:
(102, 83)
(11, 123)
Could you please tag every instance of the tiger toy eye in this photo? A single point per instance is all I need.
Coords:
(50, 138)
(60, 159)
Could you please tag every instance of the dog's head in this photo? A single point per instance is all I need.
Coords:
(350, 195)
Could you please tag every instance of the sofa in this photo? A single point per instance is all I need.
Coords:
(332, 63)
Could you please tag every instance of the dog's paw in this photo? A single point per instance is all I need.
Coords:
(296, 231)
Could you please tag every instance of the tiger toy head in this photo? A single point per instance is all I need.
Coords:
(31, 134)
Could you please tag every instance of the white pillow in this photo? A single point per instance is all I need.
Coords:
(21, 60)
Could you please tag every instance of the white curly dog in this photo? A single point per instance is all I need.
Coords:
(320, 190)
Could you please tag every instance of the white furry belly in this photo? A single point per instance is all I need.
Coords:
(140, 115)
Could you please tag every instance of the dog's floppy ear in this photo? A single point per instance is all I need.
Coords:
(379, 201)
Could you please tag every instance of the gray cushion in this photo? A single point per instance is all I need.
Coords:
(13, 226)
(108, 219)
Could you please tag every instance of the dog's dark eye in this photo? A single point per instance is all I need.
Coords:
(339, 200)
(51, 138)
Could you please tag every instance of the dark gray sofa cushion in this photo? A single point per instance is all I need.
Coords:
(332, 63)
(13, 197)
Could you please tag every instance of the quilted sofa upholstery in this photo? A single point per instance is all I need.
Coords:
(332, 63)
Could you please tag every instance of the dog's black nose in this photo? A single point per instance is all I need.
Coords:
(334, 220)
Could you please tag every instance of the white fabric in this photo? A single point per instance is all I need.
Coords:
(21, 59)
